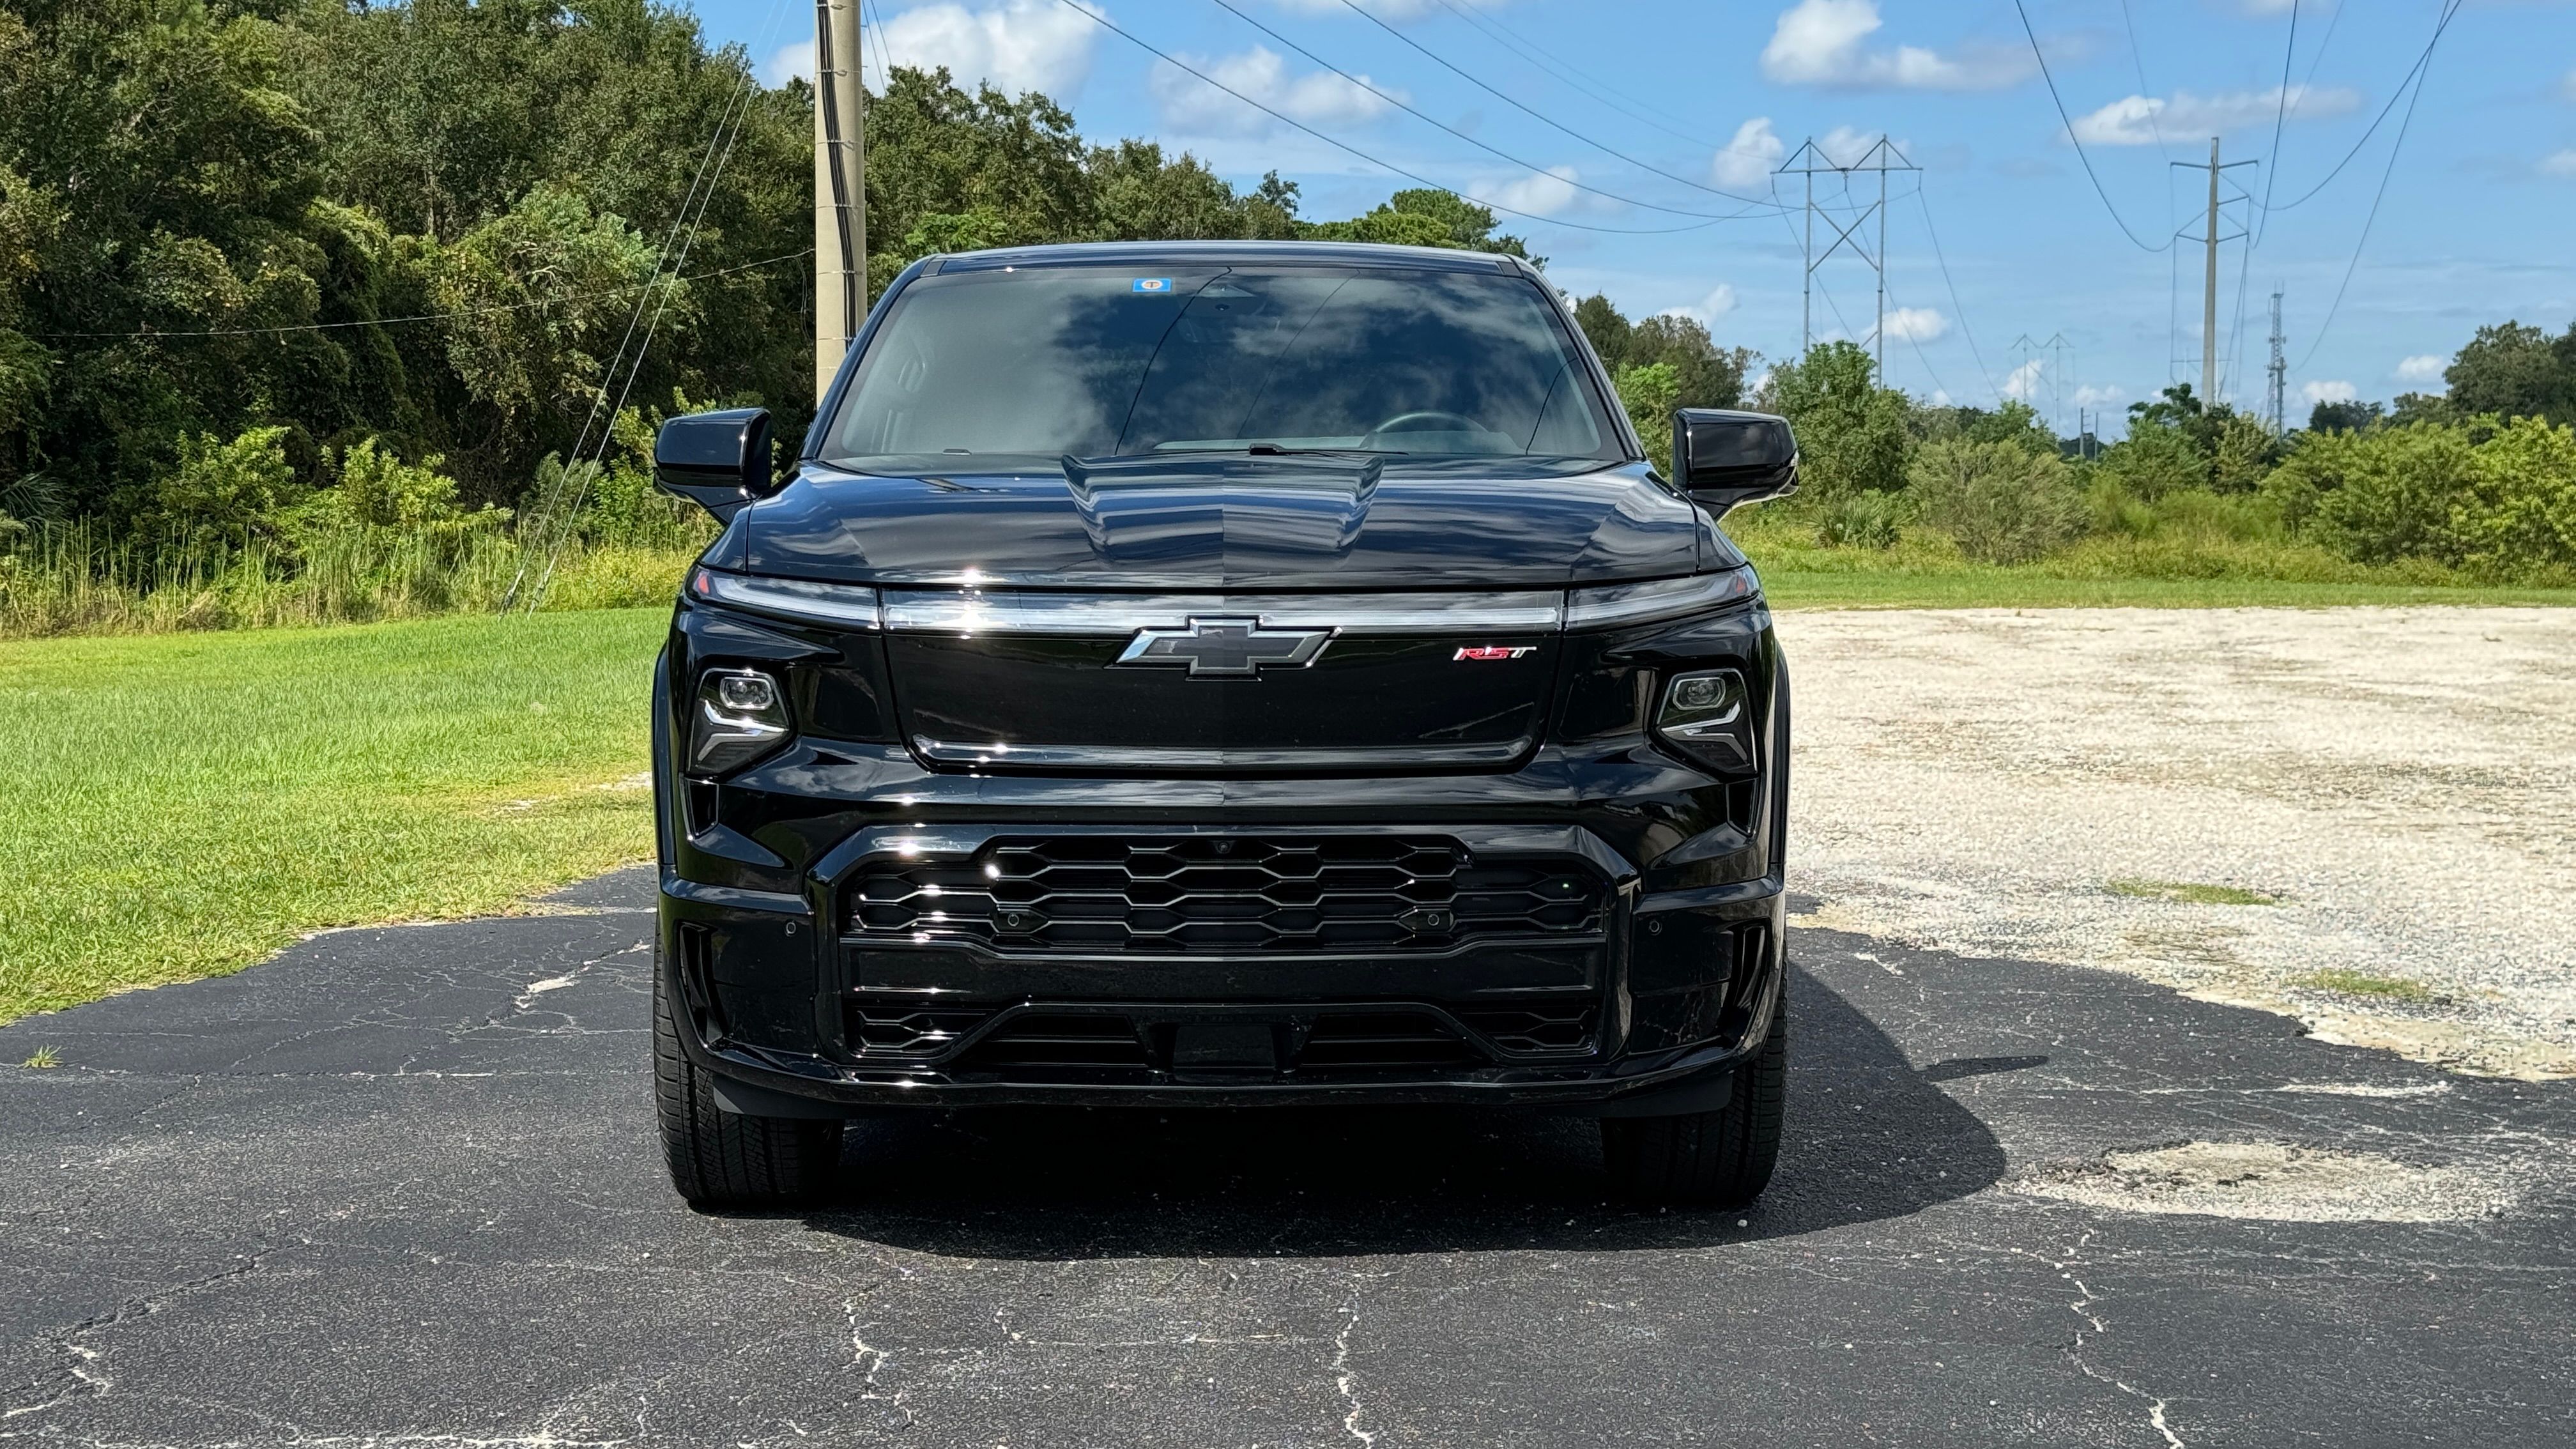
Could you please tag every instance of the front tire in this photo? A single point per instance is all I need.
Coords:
(1707, 1159)
(721, 1159)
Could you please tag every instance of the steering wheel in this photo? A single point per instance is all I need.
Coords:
(1415, 423)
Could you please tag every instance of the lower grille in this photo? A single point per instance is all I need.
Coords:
(1213, 894)
(907, 1032)
(1388, 1041)
(1073, 1041)
(1538, 1030)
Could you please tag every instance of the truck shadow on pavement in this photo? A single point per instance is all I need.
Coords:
(1868, 1138)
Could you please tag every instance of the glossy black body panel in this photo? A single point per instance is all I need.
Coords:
(1236, 523)
(896, 909)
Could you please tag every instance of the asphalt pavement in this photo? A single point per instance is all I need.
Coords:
(400, 1187)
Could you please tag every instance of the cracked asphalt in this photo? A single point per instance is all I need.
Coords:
(399, 1187)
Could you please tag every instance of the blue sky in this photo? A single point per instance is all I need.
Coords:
(1701, 99)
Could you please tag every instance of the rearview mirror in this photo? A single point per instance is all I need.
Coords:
(719, 461)
(1725, 459)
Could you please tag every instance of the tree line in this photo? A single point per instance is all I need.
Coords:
(240, 239)
(276, 270)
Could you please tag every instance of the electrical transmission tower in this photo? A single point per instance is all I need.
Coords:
(1809, 160)
(2279, 370)
(2209, 286)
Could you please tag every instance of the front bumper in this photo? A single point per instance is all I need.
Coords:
(1644, 1005)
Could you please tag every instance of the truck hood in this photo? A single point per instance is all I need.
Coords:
(1231, 522)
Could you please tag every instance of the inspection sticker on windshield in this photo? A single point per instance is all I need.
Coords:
(1150, 284)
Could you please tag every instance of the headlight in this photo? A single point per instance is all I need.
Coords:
(851, 606)
(1706, 716)
(1602, 606)
(742, 715)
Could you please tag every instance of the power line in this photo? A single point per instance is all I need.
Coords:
(2272, 171)
(2080, 153)
(557, 520)
(1955, 305)
(1443, 62)
(2397, 148)
(1409, 109)
(1112, 27)
(656, 280)
(2412, 72)
(2138, 59)
(1528, 51)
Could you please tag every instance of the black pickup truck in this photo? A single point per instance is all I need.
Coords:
(1223, 675)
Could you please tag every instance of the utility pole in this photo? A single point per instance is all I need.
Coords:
(840, 188)
(2279, 371)
(2209, 285)
(1807, 161)
(2057, 381)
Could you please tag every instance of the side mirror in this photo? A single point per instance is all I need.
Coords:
(1725, 459)
(718, 461)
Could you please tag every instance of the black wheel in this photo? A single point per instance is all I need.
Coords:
(1707, 1159)
(722, 1159)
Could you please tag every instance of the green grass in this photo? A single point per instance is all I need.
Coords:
(2362, 983)
(42, 1058)
(177, 806)
(2002, 588)
(2191, 893)
(2184, 571)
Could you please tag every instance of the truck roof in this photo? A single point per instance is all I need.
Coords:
(1293, 253)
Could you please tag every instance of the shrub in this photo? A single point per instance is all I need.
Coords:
(377, 489)
(1851, 432)
(1650, 394)
(2377, 496)
(221, 495)
(2001, 502)
(2518, 516)
(2154, 461)
(1867, 519)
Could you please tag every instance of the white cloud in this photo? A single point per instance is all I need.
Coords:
(792, 61)
(2023, 382)
(2329, 391)
(2089, 396)
(1317, 98)
(2559, 163)
(1760, 384)
(1747, 160)
(1719, 302)
(1824, 43)
(1916, 324)
(1940, 397)
(1535, 195)
(2139, 120)
(2426, 367)
(1019, 45)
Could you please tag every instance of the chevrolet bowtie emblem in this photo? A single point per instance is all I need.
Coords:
(1225, 648)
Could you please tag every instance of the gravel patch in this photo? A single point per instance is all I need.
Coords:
(2270, 1181)
(2362, 818)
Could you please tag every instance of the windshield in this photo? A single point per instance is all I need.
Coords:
(1096, 362)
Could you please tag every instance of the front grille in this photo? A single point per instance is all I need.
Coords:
(1223, 894)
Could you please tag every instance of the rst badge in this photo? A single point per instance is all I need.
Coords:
(1479, 652)
(1224, 648)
